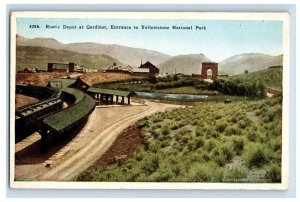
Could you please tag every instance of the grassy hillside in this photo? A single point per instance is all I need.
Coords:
(251, 62)
(212, 142)
(39, 57)
(270, 77)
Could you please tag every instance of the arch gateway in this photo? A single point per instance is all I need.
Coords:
(213, 67)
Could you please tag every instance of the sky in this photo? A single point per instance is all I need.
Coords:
(220, 40)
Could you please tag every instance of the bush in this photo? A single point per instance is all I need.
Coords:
(234, 174)
(220, 126)
(223, 154)
(212, 134)
(150, 164)
(175, 126)
(252, 136)
(254, 155)
(154, 133)
(211, 144)
(157, 119)
(196, 143)
(204, 172)
(232, 130)
(165, 130)
(238, 145)
(269, 115)
(274, 173)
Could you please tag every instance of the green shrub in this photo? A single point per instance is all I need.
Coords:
(157, 119)
(232, 130)
(212, 134)
(221, 126)
(234, 174)
(205, 172)
(273, 173)
(252, 136)
(165, 130)
(185, 131)
(175, 126)
(198, 131)
(154, 134)
(238, 145)
(211, 144)
(195, 143)
(254, 155)
(269, 115)
(205, 156)
(223, 154)
(150, 164)
(154, 146)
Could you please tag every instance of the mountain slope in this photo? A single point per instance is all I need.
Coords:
(39, 57)
(126, 55)
(252, 62)
(271, 77)
(186, 64)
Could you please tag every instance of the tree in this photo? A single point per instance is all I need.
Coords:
(261, 90)
(152, 79)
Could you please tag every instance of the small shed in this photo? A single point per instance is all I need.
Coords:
(110, 96)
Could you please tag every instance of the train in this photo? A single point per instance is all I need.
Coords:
(27, 117)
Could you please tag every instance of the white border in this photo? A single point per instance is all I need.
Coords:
(159, 15)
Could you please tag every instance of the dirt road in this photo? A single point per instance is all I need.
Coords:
(91, 143)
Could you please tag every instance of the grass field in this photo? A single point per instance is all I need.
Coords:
(270, 77)
(212, 142)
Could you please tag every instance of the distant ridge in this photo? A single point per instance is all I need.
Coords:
(185, 64)
(251, 62)
(126, 55)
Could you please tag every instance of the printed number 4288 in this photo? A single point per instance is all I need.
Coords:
(34, 26)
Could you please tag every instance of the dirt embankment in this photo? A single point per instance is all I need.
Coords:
(41, 78)
(125, 144)
(23, 100)
(102, 77)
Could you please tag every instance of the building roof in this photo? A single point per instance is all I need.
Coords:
(65, 118)
(78, 95)
(147, 65)
(60, 83)
(140, 70)
(110, 91)
(209, 63)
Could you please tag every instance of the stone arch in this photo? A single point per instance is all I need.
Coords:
(209, 73)
(209, 65)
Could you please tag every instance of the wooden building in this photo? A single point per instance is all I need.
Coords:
(61, 67)
(153, 70)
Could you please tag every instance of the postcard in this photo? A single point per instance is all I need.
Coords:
(149, 100)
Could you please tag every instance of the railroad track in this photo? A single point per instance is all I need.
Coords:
(92, 151)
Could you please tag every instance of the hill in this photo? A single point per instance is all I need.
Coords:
(271, 77)
(251, 61)
(39, 57)
(185, 64)
(126, 55)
